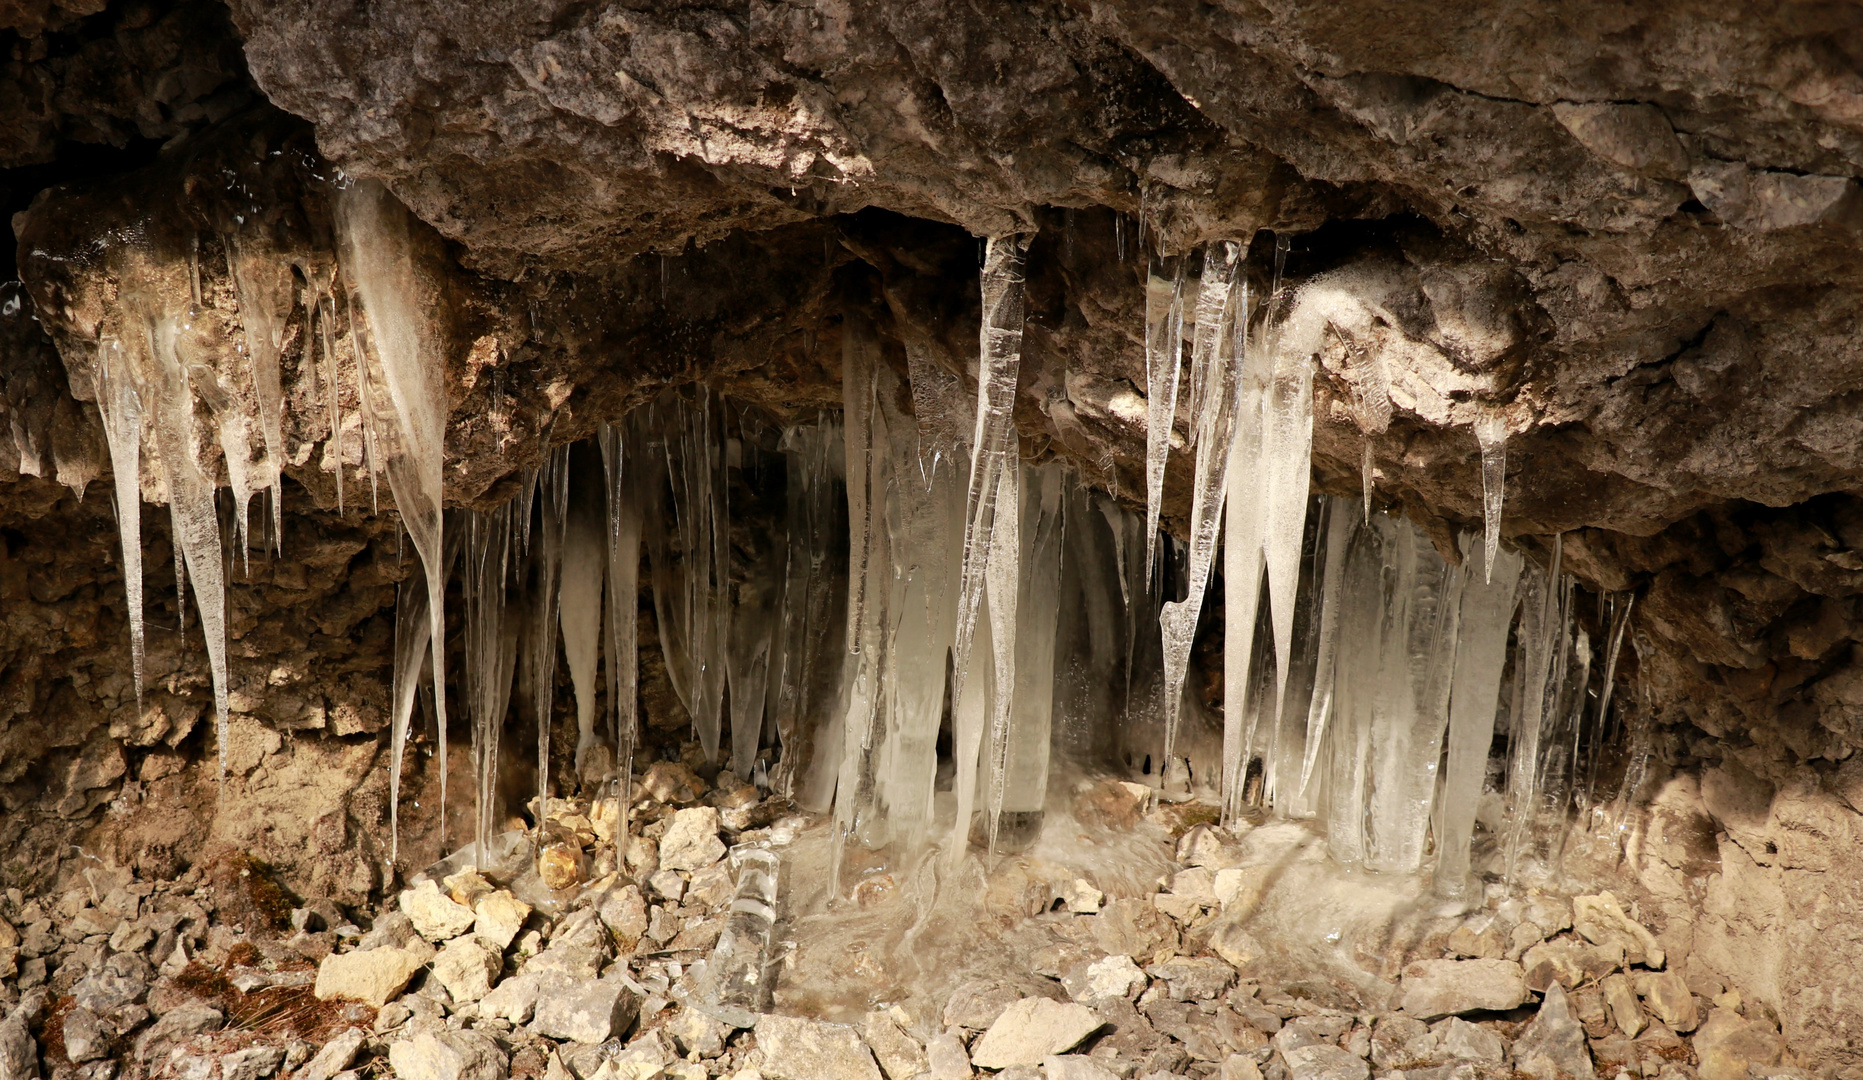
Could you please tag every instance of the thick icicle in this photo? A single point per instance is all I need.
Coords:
(1287, 467)
(1481, 659)
(994, 443)
(1340, 525)
(1164, 354)
(812, 619)
(623, 596)
(1022, 785)
(859, 359)
(579, 603)
(691, 566)
(491, 639)
(1541, 648)
(412, 632)
(1355, 692)
(377, 256)
(857, 809)
(121, 408)
(546, 568)
(756, 596)
(1491, 435)
(1216, 377)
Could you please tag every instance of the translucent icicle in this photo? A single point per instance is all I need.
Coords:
(1481, 660)
(1216, 377)
(1018, 813)
(121, 409)
(1287, 467)
(412, 633)
(994, 443)
(1356, 684)
(376, 252)
(263, 283)
(859, 357)
(1491, 435)
(969, 723)
(857, 811)
(1164, 353)
(1535, 681)
(812, 621)
(579, 603)
(491, 640)
(623, 596)
(756, 596)
(546, 568)
(1002, 583)
(1340, 525)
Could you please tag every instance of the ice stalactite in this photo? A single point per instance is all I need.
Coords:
(1338, 537)
(690, 555)
(579, 603)
(619, 465)
(756, 596)
(1539, 655)
(545, 575)
(376, 255)
(859, 362)
(491, 641)
(1371, 409)
(412, 634)
(121, 409)
(995, 446)
(1164, 354)
(1216, 382)
(1287, 470)
(807, 652)
(1480, 663)
(263, 284)
(1090, 651)
(1491, 435)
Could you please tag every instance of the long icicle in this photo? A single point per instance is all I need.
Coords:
(623, 597)
(1164, 353)
(1216, 377)
(1491, 435)
(121, 409)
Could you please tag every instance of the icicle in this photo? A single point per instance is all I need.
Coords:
(1491, 434)
(491, 641)
(994, 443)
(1216, 377)
(756, 596)
(1023, 784)
(1286, 456)
(1164, 352)
(1339, 531)
(810, 621)
(263, 283)
(1481, 659)
(121, 409)
(579, 602)
(412, 634)
(857, 812)
(1356, 683)
(859, 355)
(1002, 584)
(333, 403)
(1541, 648)
(623, 601)
(376, 253)
(546, 568)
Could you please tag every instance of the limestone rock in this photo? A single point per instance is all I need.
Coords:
(796, 1049)
(1323, 1061)
(334, 1057)
(1032, 1029)
(1194, 978)
(85, 1038)
(467, 887)
(1437, 988)
(899, 1054)
(1620, 996)
(180, 1022)
(467, 967)
(19, 1051)
(497, 918)
(673, 782)
(1460, 1040)
(624, 912)
(1728, 1044)
(975, 1004)
(515, 999)
(691, 841)
(586, 1012)
(1553, 1045)
(435, 915)
(1132, 927)
(1081, 897)
(1075, 1067)
(373, 977)
(1102, 980)
(447, 1055)
(252, 1063)
(1602, 921)
(946, 1058)
(1570, 963)
(1669, 1000)
(693, 1032)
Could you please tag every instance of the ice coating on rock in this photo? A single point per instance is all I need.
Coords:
(377, 257)
(859, 360)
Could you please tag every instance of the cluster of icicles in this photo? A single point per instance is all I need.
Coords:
(911, 584)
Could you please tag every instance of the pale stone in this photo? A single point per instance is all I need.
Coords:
(447, 1055)
(696, 1033)
(1727, 1044)
(1238, 1067)
(899, 1054)
(515, 999)
(1198, 978)
(435, 915)
(796, 1049)
(1668, 997)
(1032, 1029)
(624, 912)
(85, 1037)
(498, 917)
(1075, 1067)
(561, 866)
(468, 887)
(252, 1063)
(373, 977)
(1457, 1038)
(1104, 980)
(1324, 1061)
(1601, 920)
(1553, 1045)
(467, 967)
(1437, 988)
(1210, 847)
(1081, 897)
(691, 840)
(335, 1056)
(1620, 997)
(946, 1058)
(1570, 963)
(587, 1012)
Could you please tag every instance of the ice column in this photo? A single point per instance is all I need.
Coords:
(856, 802)
(809, 647)
(1541, 644)
(623, 595)
(1481, 659)
(580, 598)
(1164, 353)
(491, 640)
(377, 257)
(1021, 785)
(1216, 378)
(756, 596)
(546, 568)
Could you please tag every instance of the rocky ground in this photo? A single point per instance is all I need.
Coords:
(580, 964)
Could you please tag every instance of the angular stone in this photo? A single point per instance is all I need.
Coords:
(1438, 988)
(252, 1063)
(1209, 847)
(1570, 963)
(468, 967)
(180, 1022)
(1669, 1000)
(561, 866)
(691, 840)
(1553, 1044)
(85, 1038)
(1103, 980)
(498, 917)
(693, 1032)
(121, 980)
(434, 914)
(1399, 1042)
(1458, 1039)
(946, 1058)
(976, 1003)
(587, 1012)
(710, 888)
(19, 1052)
(1081, 898)
(1240, 1067)
(1601, 920)
(1032, 1029)
(673, 782)
(1231, 940)
(334, 1057)
(467, 887)
(1620, 996)
(797, 1049)
(667, 885)
(447, 1055)
(899, 1054)
(1727, 1044)
(1325, 1061)
(1132, 927)
(1194, 978)
(374, 977)
(624, 912)
(1484, 944)
(1075, 1067)
(515, 999)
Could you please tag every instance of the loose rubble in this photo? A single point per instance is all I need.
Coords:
(489, 974)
